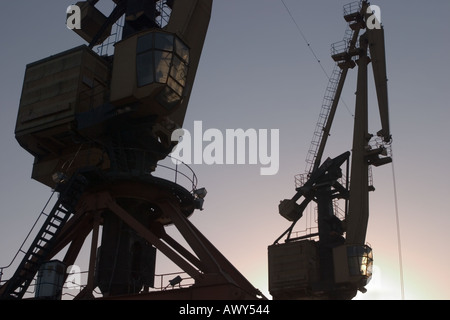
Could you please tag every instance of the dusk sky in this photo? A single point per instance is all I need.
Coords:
(258, 72)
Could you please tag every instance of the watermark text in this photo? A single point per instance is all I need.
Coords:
(73, 17)
(73, 280)
(374, 20)
(235, 146)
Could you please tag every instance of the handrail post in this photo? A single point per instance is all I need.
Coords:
(176, 171)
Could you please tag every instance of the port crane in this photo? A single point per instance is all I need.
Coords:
(98, 127)
(336, 262)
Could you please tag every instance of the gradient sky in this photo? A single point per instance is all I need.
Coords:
(257, 72)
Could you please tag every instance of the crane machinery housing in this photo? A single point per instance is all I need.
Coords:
(99, 125)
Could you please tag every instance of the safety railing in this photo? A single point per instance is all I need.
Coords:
(174, 280)
(340, 47)
(138, 162)
(352, 8)
(180, 172)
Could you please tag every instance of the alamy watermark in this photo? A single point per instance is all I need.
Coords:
(235, 146)
(374, 20)
(73, 20)
(73, 280)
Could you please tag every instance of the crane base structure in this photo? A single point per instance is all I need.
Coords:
(131, 213)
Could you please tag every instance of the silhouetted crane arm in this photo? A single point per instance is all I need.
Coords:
(378, 57)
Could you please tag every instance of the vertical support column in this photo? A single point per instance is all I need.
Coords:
(93, 254)
(358, 213)
(324, 216)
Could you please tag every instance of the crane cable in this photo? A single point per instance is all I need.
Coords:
(304, 38)
(399, 245)
(312, 51)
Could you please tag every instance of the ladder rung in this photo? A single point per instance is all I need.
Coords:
(45, 240)
(41, 247)
(54, 225)
(50, 233)
(63, 210)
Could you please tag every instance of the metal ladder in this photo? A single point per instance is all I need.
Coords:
(341, 47)
(43, 243)
(323, 116)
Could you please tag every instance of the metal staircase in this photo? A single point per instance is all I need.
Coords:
(39, 251)
(342, 53)
(323, 116)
